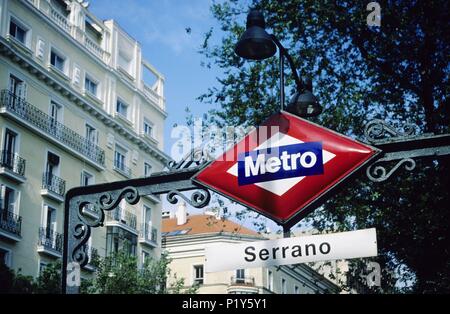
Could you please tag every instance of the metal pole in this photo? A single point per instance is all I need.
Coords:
(281, 78)
(286, 231)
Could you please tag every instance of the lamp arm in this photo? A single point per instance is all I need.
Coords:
(284, 52)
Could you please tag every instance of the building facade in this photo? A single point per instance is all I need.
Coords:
(185, 239)
(79, 105)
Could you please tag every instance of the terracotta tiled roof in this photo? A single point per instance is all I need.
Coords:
(198, 224)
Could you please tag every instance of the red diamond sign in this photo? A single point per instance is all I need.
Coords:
(286, 167)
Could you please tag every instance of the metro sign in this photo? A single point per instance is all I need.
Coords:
(286, 167)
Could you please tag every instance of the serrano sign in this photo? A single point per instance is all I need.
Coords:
(344, 245)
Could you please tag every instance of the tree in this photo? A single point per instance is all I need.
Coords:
(49, 280)
(10, 282)
(397, 72)
(119, 274)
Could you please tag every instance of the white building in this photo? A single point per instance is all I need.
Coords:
(76, 108)
(185, 238)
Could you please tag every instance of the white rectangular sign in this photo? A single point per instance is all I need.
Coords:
(344, 245)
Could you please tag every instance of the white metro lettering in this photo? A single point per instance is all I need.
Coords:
(280, 162)
(273, 164)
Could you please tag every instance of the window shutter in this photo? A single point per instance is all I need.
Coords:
(23, 90)
(2, 196)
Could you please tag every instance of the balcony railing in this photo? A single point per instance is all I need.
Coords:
(148, 233)
(10, 222)
(53, 183)
(244, 281)
(13, 162)
(60, 20)
(37, 118)
(50, 239)
(92, 254)
(121, 167)
(124, 216)
(93, 47)
(153, 95)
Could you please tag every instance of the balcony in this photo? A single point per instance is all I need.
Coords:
(122, 218)
(121, 168)
(242, 285)
(93, 47)
(50, 242)
(60, 20)
(153, 96)
(53, 187)
(78, 34)
(148, 235)
(10, 225)
(39, 121)
(12, 166)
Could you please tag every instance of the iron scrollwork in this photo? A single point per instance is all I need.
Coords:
(196, 157)
(199, 199)
(377, 129)
(378, 173)
(105, 202)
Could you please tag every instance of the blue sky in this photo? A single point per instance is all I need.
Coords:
(160, 27)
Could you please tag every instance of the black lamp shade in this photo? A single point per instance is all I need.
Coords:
(255, 43)
(304, 105)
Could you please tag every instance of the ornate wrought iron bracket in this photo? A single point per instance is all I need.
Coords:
(402, 146)
(85, 206)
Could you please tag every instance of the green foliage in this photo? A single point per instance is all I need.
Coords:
(119, 274)
(49, 281)
(398, 72)
(10, 282)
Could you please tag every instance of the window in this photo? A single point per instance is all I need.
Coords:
(90, 86)
(148, 128)
(18, 88)
(91, 134)
(120, 156)
(18, 31)
(50, 221)
(283, 286)
(52, 165)
(198, 274)
(7, 157)
(270, 280)
(122, 108)
(8, 199)
(145, 256)
(5, 257)
(240, 275)
(147, 214)
(9, 144)
(57, 60)
(86, 178)
(296, 290)
(42, 267)
(147, 169)
(55, 113)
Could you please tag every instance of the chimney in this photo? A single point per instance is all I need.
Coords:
(181, 214)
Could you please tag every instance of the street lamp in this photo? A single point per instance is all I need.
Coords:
(257, 44)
